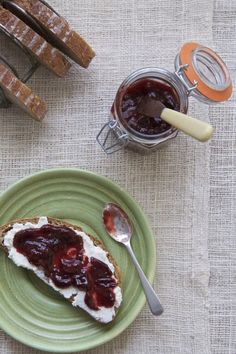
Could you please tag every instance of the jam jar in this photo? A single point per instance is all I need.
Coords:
(199, 72)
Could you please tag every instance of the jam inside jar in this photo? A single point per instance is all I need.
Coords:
(143, 88)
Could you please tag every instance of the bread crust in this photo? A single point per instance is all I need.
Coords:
(57, 222)
(71, 43)
(36, 45)
(20, 94)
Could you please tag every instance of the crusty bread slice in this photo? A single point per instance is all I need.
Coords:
(56, 222)
(21, 95)
(37, 46)
(59, 31)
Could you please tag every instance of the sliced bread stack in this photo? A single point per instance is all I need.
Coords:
(54, 42)
(37, 46)
(58, 31)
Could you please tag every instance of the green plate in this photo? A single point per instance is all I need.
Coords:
(33, 313)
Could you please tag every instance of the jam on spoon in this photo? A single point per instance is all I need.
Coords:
(60, 252)
(152, 88)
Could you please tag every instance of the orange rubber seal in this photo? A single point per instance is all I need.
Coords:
(192, 75)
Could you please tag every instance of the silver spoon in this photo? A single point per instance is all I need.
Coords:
(119, 227)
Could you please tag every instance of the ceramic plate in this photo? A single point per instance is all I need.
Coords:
(33, 313)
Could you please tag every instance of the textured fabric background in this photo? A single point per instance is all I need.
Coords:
(187, 189)
(222, 216)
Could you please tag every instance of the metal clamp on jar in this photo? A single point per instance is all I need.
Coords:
(199, 72)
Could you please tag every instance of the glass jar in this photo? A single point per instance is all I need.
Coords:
(199, 72)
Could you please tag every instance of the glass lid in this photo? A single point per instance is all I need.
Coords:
(204, 69)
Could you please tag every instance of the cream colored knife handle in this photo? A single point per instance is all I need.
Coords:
(195, 128)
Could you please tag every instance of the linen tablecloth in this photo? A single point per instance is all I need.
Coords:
(187, 189)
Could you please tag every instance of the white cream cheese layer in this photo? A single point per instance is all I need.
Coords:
(104, 314)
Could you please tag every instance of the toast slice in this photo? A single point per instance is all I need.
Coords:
(13, 234)
(21, 94)
(58, 31)
(37, 46)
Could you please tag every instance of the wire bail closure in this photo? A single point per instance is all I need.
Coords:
(114, 132)
(180, 73)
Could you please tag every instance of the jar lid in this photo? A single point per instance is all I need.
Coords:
(206, 70)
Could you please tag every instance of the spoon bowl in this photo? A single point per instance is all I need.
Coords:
(117, 223)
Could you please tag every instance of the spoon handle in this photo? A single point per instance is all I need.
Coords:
(152, 298)
(196, 128)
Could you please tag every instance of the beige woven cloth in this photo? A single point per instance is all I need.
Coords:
(185, 189)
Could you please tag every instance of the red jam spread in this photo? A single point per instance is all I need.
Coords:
(135, 93)
(60, 252)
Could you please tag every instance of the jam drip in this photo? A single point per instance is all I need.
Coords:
(147, 88)
(60, 252)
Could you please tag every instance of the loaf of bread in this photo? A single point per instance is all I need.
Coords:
(59, 31)
(21, 95)
(72, 262)
(37, 46)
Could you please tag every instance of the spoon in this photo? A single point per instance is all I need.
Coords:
(196, 128)
(119, 227)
